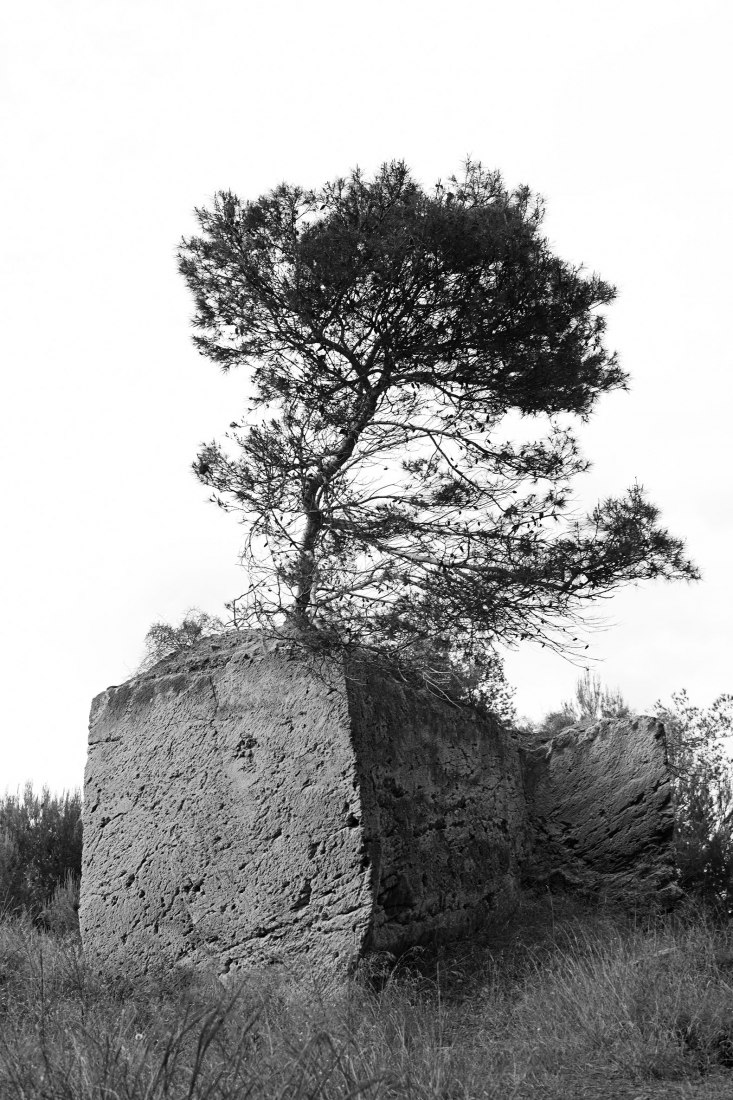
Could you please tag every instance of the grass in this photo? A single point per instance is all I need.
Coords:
(565, 1003)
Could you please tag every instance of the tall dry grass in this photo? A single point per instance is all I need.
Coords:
(585, 1004)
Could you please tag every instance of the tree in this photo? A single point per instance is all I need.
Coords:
(700, 762)
(389, 331)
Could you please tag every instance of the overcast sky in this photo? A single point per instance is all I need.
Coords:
(120, 116)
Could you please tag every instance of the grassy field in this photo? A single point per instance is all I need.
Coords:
(563, 1003)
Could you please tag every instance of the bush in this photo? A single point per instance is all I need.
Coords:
(40, 848)
(164, 639)
(591, 701)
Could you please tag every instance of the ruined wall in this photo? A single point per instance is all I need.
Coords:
(600, 804)
(245, 806)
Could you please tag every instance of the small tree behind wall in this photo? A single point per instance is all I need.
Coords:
(592, 700)
(388, 331)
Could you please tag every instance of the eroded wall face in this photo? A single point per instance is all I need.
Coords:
(600, 805)
(222, 824)
(444, 813)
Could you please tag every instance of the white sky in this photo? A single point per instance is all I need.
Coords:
(119, 116)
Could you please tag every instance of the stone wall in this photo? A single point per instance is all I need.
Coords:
(600, 803)
(246, 806)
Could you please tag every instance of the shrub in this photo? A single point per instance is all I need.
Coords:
(164, 639)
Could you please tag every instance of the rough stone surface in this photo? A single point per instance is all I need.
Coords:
(246, 806)
(445, 822)
(601, 811)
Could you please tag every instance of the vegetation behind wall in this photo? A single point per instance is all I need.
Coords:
(699, 746)
(40, 855)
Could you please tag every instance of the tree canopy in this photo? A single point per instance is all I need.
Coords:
(389, 332)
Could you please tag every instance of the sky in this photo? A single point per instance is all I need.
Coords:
(118, 117)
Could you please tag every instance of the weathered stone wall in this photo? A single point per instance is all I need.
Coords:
(601, 812)
(245, 806)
